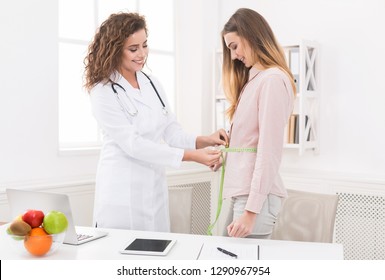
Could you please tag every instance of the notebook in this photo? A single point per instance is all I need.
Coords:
(22, 200)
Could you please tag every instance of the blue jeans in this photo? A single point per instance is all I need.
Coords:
(265, 220)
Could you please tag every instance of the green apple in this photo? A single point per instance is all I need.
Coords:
(55, 222)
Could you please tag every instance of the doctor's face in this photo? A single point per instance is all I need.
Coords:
(135, 52)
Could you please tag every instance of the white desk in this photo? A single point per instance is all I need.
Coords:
(187, 247)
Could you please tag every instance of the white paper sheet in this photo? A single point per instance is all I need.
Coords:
(209, 251)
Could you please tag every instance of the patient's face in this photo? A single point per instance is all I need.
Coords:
(239, 48)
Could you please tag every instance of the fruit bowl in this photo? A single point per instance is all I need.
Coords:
(37, 243)
(37, 233)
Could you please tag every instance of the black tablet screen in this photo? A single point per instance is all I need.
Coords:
(153, 245)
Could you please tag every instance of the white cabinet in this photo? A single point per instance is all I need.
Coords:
(301, 132)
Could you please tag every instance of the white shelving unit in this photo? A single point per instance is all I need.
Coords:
(303, 62)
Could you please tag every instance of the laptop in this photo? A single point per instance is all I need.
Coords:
(22, 200)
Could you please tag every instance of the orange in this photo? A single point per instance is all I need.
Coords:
(38, 242)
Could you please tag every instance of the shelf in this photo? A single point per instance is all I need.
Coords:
(302, 132)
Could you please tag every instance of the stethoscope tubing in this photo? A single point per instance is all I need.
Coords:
(135, 112)
(113, 84)
(156, 91)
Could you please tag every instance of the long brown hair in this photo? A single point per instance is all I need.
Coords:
(105, 51)
(253, 29)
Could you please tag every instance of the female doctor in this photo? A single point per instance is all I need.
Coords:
(140, 135)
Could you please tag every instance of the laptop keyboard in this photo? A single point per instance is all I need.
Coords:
(83, 236)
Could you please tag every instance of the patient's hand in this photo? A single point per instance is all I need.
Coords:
(243, 226)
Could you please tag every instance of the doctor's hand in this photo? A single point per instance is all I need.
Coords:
(243, 226)
(208, 157)
(215, 167)
(216, 139)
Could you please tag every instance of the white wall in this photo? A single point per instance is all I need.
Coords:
(29, 96)
(352, 59)
(197, 36)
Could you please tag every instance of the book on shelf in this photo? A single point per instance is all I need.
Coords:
(293, 129)
(296, 130)
(306, 125)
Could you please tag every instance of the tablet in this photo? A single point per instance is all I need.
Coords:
(142, 246)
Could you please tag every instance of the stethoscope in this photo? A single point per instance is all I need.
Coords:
(135, 111)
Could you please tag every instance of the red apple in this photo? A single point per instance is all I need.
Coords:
(33, 217)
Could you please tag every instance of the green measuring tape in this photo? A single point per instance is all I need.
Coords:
(219, 207)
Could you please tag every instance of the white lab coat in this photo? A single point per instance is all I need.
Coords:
(131, 190)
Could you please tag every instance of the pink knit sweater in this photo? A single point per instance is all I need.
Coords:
(263, 110)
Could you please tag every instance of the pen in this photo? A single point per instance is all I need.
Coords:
(227, 252)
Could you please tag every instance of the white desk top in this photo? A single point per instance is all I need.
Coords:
(187, 247)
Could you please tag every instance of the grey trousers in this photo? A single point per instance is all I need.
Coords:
(265, 220)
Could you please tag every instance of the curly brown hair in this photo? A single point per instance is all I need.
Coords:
(105, 51)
